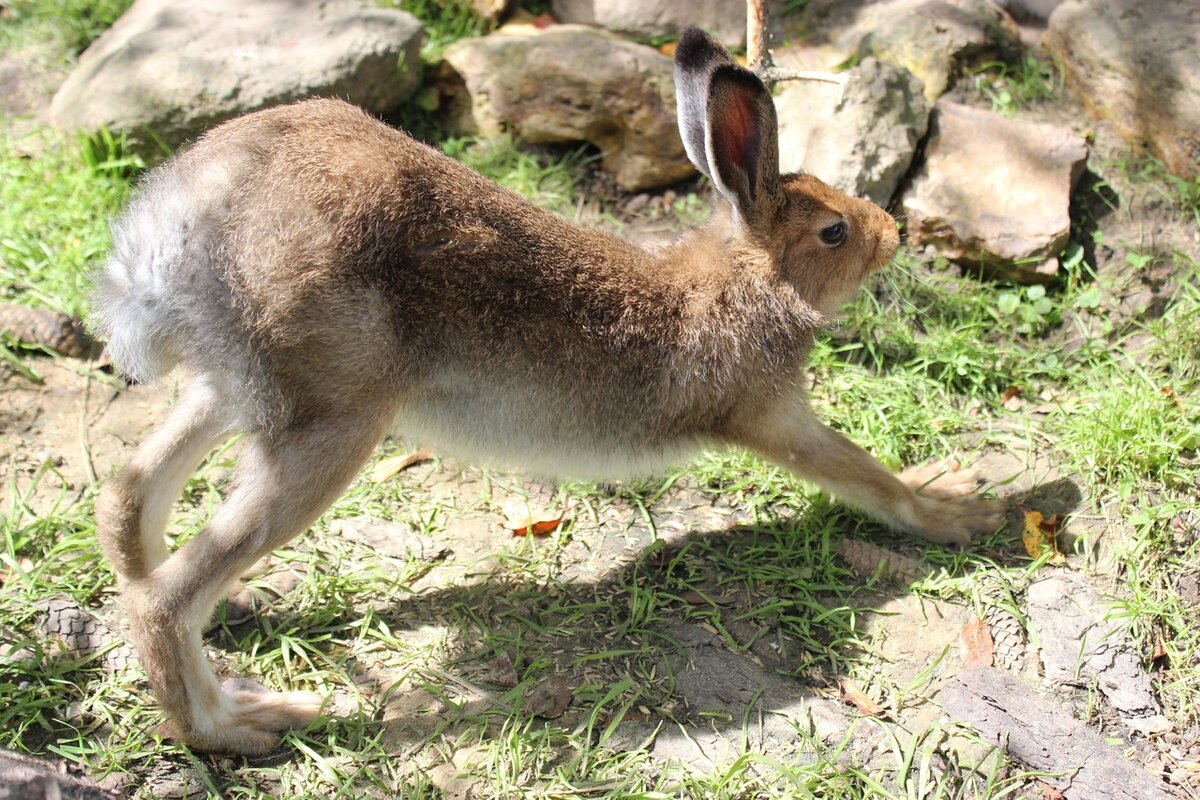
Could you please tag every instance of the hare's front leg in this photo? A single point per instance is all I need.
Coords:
(285, 479)
(932, 502)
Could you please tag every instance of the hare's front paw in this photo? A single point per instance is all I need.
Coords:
(948, 509)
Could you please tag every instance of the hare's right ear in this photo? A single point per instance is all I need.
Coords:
(727, 122)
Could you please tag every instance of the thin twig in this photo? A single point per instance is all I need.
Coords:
(758, 54)
(779, 74)
(83, 428)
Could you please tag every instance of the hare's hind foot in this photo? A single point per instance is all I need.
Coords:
(247, 720)
(949, 510)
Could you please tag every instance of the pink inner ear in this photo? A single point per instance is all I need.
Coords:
(737, 132)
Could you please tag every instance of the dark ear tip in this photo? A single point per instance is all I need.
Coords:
(696, 48)
(739, 75)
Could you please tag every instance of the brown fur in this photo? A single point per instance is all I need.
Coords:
(328, 276)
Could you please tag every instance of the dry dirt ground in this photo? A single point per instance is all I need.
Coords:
(725, 688)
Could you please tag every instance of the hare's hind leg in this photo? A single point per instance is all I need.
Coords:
(132, 510)
(283, 481)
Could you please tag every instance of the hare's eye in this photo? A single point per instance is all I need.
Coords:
(835, 234)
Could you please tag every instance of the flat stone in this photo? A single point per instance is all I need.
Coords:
(860, 139)
(1136, 65)
(169, 69)
(650, 18)
(571, 83)
(23, 777)
(1080, 647)
(994, 192)
(933, 39)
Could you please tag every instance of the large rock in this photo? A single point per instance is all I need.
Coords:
(860, 139)
(23, 777)
(168, 69)
(995, 192)
(724, 19)
(1136, 64)
(571, 83)
(933, 39)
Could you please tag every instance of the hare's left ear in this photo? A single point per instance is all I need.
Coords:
(727, 121)
(696, 56)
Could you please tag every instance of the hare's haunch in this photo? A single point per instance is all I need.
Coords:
(319, 278)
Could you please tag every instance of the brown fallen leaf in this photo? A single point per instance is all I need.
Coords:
(668, 49)
(853, 696)
(1011, 399)
(391, 467)
(976, 642)
(549, 698)
(1170, 392)
(522, 520)
(1159, 651)
(1049, 792)
(1040, 533)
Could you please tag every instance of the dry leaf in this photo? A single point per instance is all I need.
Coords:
(549, 698)
(1049, 792)
(853, 696)
(668, 49)
(391, 467)
(1040, 533)
(1011, 398)
(522, 520)
(544, 20)
(977, 647)
(1170, 392)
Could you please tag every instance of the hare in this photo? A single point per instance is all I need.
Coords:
(321, 278)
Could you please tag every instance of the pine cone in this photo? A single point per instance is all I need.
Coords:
(50, 329)
(1008, 637)
(82, 634)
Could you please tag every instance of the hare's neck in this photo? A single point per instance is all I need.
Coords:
(741, 323)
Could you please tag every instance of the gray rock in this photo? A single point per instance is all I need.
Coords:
(1031, 10)
(995, 192)
(1135, 64)
(933, 39)
(571, 83)
(25, 778)
(168, 69)
(1080, 647)
(724, 19)
(861, 142)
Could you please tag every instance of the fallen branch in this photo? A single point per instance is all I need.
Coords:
(1044, 735)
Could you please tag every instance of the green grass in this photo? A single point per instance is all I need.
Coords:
(1019, 85)
(54, 208)
(918, 368)
(445, 21)
(72, 24)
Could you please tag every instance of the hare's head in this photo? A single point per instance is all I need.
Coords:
(821, 240)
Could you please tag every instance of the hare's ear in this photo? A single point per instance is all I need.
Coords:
(696, 56)
(727, 121)
(743, 141)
